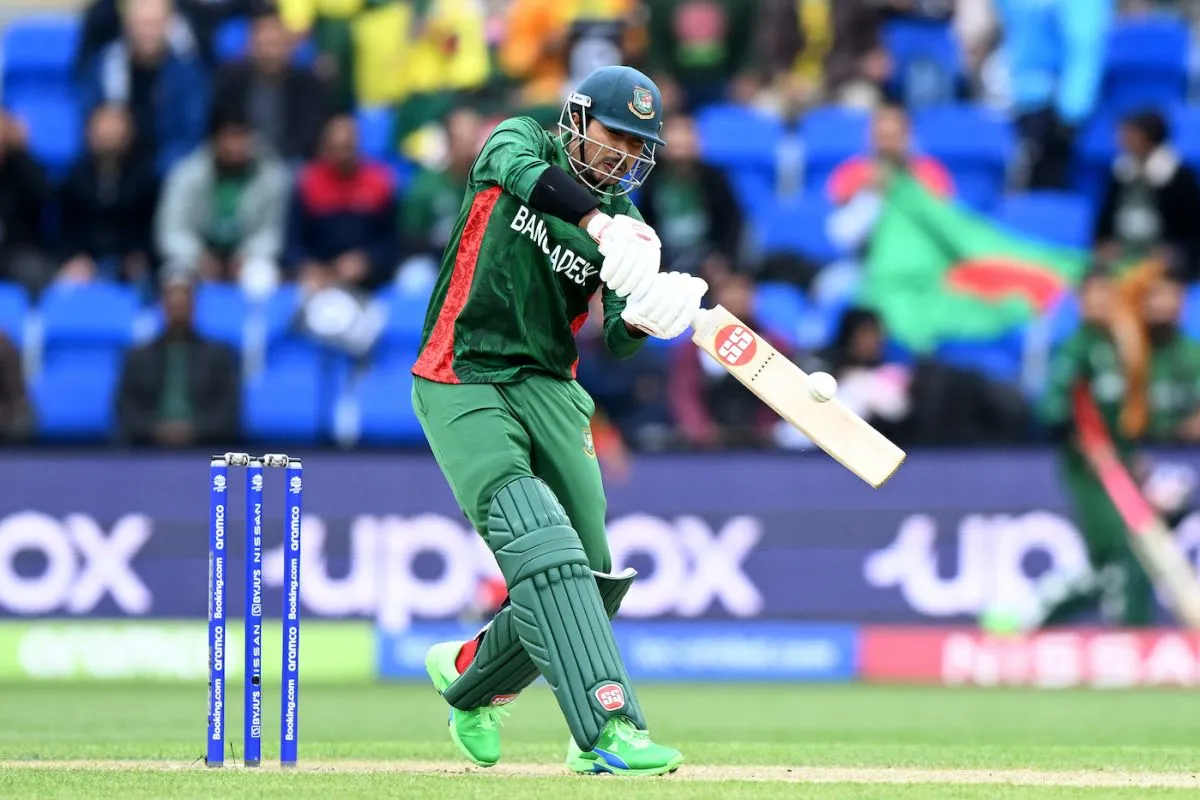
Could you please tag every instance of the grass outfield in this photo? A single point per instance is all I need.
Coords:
(126, 741)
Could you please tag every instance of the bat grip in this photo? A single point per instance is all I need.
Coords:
(698, 318)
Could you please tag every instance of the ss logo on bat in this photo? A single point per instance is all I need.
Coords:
(735, 345)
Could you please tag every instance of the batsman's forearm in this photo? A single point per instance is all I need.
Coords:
(621, 339)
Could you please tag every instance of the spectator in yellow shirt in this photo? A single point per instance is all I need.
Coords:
(392, 51)
(549, 44)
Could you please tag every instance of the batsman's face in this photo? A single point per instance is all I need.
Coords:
(615, 155)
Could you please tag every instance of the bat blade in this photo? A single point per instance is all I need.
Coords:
(1150, 538)
(782, 385)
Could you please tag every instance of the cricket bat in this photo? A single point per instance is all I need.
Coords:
(1149, 537)
(783, 386)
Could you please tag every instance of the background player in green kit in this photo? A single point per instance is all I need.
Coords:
(545, 224)
(1115, 581)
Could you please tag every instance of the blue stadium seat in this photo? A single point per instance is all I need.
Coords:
(928, 61)
(55, 129)
(375, 127)
(818, 326)
(1095, 149)
(737, 137)
(974, 144)
(298, 352)
(831, 135)
(1191, 312)
(1185, 134)
(780, 308)
(221, 313)
(38, 54)
(74, 398)
(232, 39)
(405, 317)
(284, 403)
(14, 306)
(1147, 64)
(797, 225)
(1055, 217)
(232, 43)
(96, 315)
(86, 330)
(281, 310)
(1000, 358)
(755, 192)
(385, 407)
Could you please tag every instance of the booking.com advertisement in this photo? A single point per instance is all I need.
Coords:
(779, 567)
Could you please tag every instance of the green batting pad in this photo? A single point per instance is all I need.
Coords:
(501, 667)
(557, 612)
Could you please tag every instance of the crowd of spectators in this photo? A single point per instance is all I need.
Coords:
(251, 171)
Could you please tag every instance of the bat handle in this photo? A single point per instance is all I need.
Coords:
(698, 318)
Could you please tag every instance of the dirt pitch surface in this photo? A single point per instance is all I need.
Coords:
(767, 774)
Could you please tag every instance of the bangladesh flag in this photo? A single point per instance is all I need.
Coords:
(938, 271)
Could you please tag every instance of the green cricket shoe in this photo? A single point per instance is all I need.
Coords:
(623, 749)
(1000, 622)
(477, 732)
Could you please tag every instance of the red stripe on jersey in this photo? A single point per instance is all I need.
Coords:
(576, 324)
(436, 362)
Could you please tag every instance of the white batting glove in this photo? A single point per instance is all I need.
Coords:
(631, 250)
(667, 306)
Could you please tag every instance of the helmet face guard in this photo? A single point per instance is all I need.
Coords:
(587, 157)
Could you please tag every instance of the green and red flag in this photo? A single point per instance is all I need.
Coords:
(939, 271)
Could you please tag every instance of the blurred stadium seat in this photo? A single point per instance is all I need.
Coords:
(283, 403)
(755, 193)
(779, 308)
(734, 136)
(1055, 217)
(974, 144)
(927, 58)
(38, 53)
(375, 127)
(831, 135)
(743, 142)
(797, 225)
(1191, 312)
(232, 43)
(997, 358)
(1095, 149)
(73, 397)
(1146, 65)
(385, 410)
(88, 316)
(221, 313)
(55, 128)
(405, 318)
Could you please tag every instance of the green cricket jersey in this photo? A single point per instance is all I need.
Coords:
(1091, 355)
(514, 284)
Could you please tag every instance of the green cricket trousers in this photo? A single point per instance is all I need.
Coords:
(484, 435)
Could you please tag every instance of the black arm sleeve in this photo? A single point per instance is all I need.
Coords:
(558, 194)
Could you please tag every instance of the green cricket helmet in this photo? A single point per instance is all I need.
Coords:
(621, 99)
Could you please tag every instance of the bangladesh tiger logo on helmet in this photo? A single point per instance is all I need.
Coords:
(642, 104)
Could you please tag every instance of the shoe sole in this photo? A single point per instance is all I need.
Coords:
(440, 683)
(586, 767)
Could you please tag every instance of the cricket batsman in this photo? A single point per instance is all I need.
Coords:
(545, 224)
